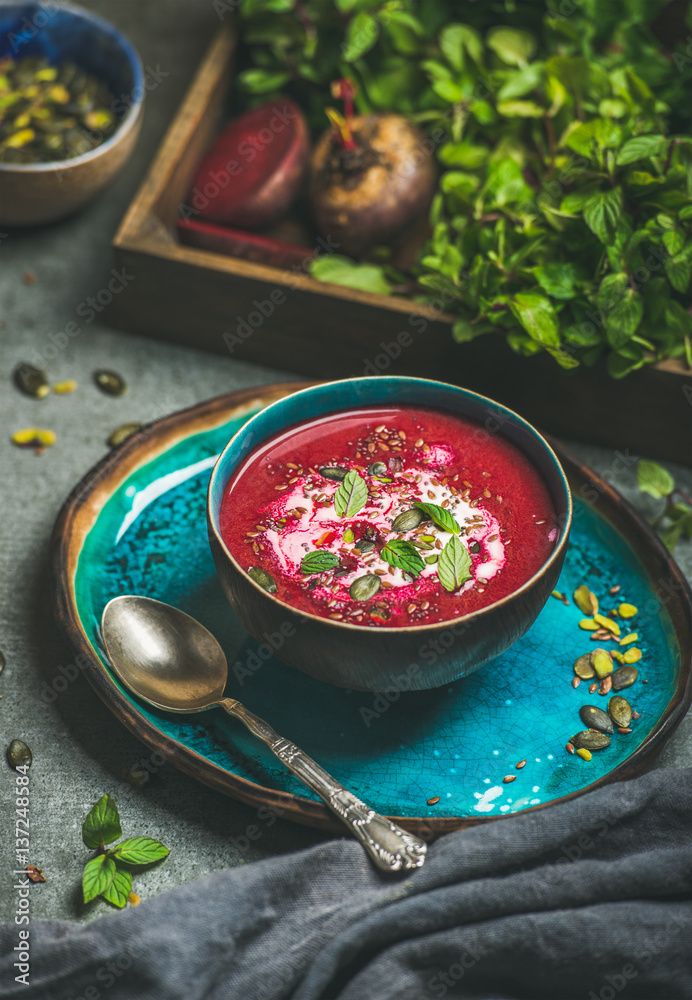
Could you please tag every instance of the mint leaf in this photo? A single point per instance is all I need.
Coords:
(514, 46)
(344, 271)
(653, 479)
(361, 35)
(102, 824)
(538, 317)
(602, 213)
(404, 556)
(140, 851)
(351, 496)
(454, 565)
(98, 875)
(119, 889)
(556, 279)
(319, 562)
(520, 109)
(679, 270)
(259, 81)
(439, 516)
(622, 321)
(641, 148)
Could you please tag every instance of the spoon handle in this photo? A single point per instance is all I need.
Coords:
(391, 848)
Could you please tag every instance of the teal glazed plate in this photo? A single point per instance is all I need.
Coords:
(435, 760)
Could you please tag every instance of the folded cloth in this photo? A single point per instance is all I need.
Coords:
(589, 898)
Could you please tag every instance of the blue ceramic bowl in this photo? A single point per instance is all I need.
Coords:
(33, 193)
(377, 659)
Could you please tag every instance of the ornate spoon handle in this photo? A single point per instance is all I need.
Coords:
(391, 848)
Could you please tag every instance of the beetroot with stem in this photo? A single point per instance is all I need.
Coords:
(255, 168)
(371, 176)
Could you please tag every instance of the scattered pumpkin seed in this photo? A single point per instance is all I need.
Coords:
(584, 754)
(110, 382)
(624, 677)
(408, 520)
(607, 623)
(584, 668)
(602, 663)
(620, 710)
(627, 610)
(632, 655)
(631, 637)
(365, 546)
(122, 433)
(262, 579)
(3, 661)
(34, 437)
(596, 718)
(364, 587)
(19, 754)
(31, 380)
(589, 740)
(65, 387)
(377, 469)
(588, 624)
(334, 472)
(585, 600)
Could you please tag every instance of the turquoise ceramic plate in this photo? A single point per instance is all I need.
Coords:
(136, 524)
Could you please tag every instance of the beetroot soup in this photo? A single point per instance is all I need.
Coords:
(388, 516)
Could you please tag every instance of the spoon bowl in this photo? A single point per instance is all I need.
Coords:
(170, 660)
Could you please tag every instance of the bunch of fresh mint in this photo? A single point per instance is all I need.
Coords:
(563, 217)
(108, 874)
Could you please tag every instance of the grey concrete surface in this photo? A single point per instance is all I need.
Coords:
(80, 749)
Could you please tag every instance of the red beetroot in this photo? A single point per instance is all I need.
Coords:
(254, 170)
(371, 175)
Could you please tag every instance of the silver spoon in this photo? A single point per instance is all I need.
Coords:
(170, 660)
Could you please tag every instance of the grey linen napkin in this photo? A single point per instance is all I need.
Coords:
(588, 899)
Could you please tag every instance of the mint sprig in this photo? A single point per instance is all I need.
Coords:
(351, 496)
(454, 565)
(404, 556)
(439, 516)
(105, 874)
(675, 520)
(319, 562)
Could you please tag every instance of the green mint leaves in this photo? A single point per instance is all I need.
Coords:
(404, 556)
(454, 564)
(653, 479)
(439, 516)
(319, 562)
(105, 875)
(675, 520)
(351, 496)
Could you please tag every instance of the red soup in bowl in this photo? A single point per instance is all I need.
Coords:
(388, 516)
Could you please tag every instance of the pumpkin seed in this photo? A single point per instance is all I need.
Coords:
(583, 667)
(366, 546)
(3, 661)
(632, 655)
(620, 710)
(364, 587)
(627, 610)
(262, 579)
(408, 520)
(31, 381)
(110, 382)
(334, 472)
(122, 433)
(596, 718)
(624, 677)
(474, 548)
(588, 740)
(584, 754)
(601, 663)
(34, 437)
(19, 754)
(588, 624)
(585, 600)
(377, 469)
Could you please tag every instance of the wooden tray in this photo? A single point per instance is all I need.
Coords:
(137, 524)
(195, 297)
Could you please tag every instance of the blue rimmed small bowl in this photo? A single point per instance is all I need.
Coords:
(379, 659)
(34, 193)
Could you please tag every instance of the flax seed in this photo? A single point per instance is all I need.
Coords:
(418, 443)
(434, 800)
(576, 681)
(569, 747)
(593, 688)
(508, 778)
(624, 729)
(426, 448)
(520, 765)
(487, 494)
(425, 605)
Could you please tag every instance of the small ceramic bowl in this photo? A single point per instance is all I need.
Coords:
(34, 193)
(379, 658)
